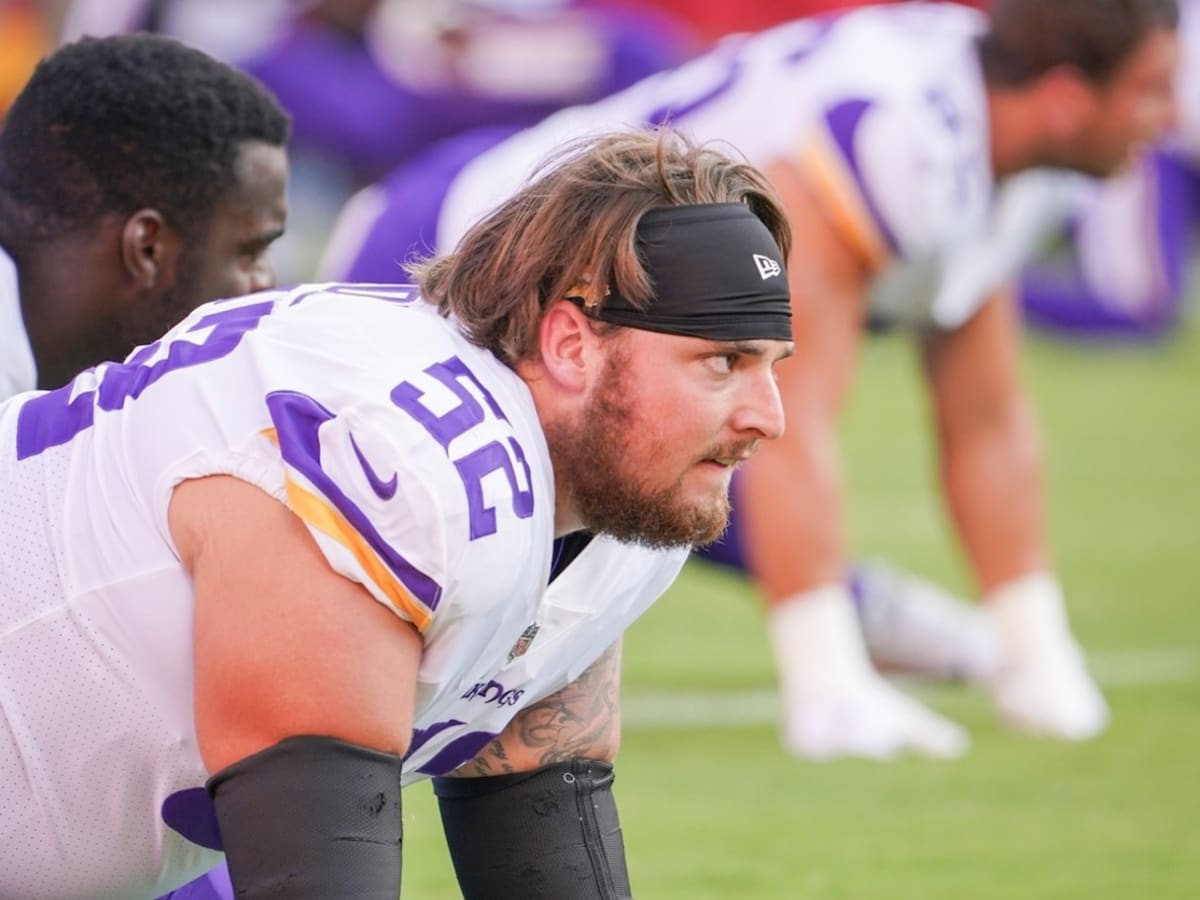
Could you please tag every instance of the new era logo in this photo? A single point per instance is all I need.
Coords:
(767, 267)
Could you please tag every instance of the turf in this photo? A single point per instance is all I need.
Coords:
(717, 811)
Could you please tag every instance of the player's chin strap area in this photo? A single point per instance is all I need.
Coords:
(550, 834)
(311, 817)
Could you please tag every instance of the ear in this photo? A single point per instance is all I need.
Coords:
(149, 250)
(1067, 100)
(569, 349)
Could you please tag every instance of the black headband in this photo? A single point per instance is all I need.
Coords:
(716, 272)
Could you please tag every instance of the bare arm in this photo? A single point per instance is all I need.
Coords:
(581, 720)
(284, 645)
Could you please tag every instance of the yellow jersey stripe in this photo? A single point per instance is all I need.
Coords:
(315, 512)
(838, 193)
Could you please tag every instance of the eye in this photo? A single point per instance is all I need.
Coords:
(722, 363)
(255, 248)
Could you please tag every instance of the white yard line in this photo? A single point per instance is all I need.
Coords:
(672, 709)
(1145, 667)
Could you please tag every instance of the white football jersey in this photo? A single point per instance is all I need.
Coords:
(884, 108)
(17, 369)
(417, 462)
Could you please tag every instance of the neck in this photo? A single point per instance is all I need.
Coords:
(67, 292)
(566, 519)
(551, 416)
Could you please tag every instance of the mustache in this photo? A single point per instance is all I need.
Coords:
(739, 450)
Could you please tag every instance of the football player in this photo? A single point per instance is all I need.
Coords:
(902, 138)
(139, 178)
(313, 544)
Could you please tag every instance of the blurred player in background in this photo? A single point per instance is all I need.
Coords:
(1132, 237)
(372, 80)
(370, 83)
(896, 135)
(1123, 275)
(314, 544)
(139, 178)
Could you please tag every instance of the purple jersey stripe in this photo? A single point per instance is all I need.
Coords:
(298, 419)
(843, 121)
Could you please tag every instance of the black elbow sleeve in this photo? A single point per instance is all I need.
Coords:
(311, 818)
(551, 834)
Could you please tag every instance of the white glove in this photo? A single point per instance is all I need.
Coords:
(1042, 685)
(834, 703)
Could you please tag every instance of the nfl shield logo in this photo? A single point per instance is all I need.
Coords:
(523, 642)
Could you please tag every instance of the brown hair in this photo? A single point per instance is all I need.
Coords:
(1027, 38)
(576, 222)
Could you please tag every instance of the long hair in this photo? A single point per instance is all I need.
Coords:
(576, 223)
(1027, 38)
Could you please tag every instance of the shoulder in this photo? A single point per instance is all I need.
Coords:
(905, 160)
(404, 449)
(430, 461)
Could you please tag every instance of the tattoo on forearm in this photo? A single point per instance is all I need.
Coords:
(492, 760)
(583, 719)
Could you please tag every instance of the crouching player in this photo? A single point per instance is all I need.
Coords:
(312, 545)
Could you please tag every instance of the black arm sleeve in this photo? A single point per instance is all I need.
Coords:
(551, 834)
(311, 818)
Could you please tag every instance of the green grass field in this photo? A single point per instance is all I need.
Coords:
(715, 811)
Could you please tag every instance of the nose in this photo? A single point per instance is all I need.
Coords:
(762, 409)
(262, 277)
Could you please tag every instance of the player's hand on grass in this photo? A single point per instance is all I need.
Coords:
(833, 702)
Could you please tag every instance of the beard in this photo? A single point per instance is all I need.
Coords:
(600, 465)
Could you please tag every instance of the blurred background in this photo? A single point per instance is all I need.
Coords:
(370, 83)
(711, 806)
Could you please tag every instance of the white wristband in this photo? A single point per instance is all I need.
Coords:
(1030, 617)
(816, 638)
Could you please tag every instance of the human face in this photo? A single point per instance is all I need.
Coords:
(651, 456)
(1134, 109)
(230, 256)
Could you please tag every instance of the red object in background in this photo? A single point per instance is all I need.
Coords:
(712, 18)
(24, 39)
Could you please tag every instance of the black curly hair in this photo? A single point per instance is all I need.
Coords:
(116, 124)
